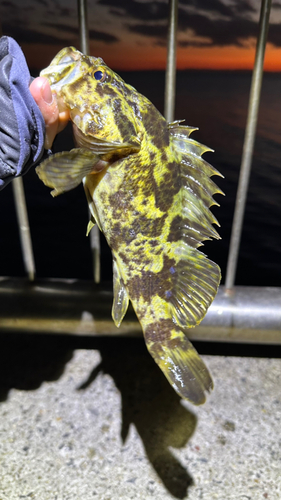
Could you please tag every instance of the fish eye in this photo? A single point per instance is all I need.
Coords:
(99, 75)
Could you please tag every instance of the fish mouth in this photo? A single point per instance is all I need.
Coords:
(64, 68)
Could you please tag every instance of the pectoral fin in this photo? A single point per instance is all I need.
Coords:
(65, 171)
(121, 298)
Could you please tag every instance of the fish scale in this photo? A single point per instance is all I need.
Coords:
(150, 191)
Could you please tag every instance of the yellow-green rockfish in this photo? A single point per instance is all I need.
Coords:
(149, 191)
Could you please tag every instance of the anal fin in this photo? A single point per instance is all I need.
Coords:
(121, 298)
(91, 224)
(92, 209)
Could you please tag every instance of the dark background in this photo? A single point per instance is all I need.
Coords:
(214, 101)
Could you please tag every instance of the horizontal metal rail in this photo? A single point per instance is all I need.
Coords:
(247, 314)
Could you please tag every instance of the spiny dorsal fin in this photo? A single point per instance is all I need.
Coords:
(175, 127)
(185, 145)
(194, 279)
(197, 187)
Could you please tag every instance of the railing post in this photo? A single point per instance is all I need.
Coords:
(24, 230)
(248, 147)
(84, 45)
(83, 25)
(170, 82)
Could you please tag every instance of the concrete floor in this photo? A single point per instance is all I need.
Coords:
(87, 418)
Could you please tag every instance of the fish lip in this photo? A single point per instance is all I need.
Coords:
(51, 69)
(68, 57)
(56, 74)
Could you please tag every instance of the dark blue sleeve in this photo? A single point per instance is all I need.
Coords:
(22, 126)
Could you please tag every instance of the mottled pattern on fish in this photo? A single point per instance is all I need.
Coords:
(150, 193)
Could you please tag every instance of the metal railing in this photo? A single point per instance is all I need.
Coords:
(84, 46)
(241, 314)
(248, 147)
(77, 307)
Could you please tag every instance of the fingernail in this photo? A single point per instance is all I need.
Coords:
(47, 93)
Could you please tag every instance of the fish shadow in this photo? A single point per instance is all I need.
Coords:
(27, 360)
(150, 403)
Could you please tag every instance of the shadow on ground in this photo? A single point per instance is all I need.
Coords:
(148, 401)
(28, 360)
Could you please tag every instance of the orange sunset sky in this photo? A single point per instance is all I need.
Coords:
(131, 34)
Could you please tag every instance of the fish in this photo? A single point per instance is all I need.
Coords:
(149, 191)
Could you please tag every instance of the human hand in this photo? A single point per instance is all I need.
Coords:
(30, 117)
(55, 120)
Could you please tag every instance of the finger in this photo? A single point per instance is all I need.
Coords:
(41, 92)
(55, 120)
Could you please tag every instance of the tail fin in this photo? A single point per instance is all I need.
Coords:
(178, 360)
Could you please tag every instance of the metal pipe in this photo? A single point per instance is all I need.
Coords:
(83, 25)
(84, 45)
(95, 248)
(244, 314)
(247, 314)
(24, 229)
(170, 82)
(248, 147)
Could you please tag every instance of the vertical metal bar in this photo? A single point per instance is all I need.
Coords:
(24, 230)
(95, 248)
(84, 43)
(83, 25)
(248, 147)
(170, 82)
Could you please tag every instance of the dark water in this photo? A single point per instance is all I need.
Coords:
(216, 102)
